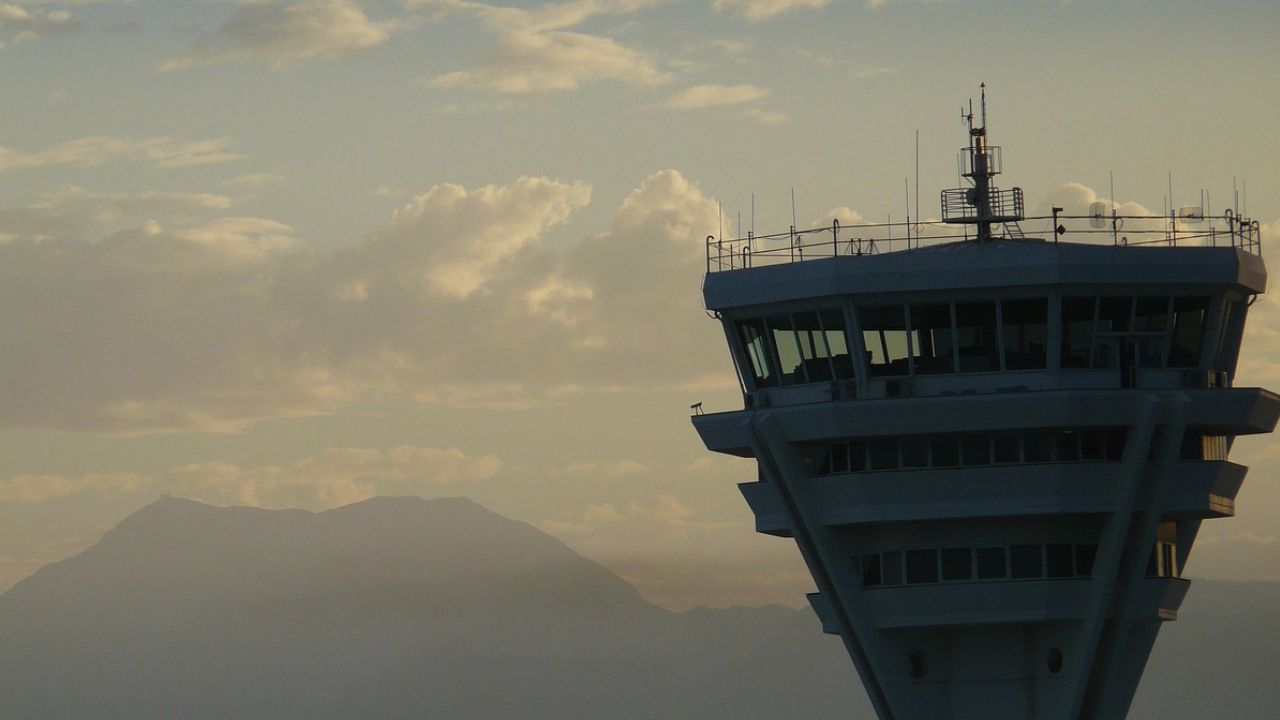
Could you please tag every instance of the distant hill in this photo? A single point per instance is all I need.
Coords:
(406, 608)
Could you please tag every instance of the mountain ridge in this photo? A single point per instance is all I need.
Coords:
(404, 607)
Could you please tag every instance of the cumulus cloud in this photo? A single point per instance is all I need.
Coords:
(288, 34)
(761, 10)
(159, 151)
(538, 52)
(217, 323)
(707, 96)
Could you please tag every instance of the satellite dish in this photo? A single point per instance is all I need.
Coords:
(1191, 213)
(971, 196)
(1097, 211)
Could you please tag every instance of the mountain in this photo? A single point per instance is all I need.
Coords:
(407, 608)
(390, 608)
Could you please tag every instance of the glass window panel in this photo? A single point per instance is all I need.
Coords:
(975, 449)
(1036, 446)
(871, 569)
(1084, 559)
(957, 564)
(1151, 351)
(751, 332)
(813, 346)
(785, 342)
(884, 333)
(837, 343)
(932, 338)
(1077, 324)
(1115, 444)
(976, 337)
(1113, 317)
(1026, 561)
(1151, 314)
(1026, 333)
(945, 450)
(840, 458)
(1093, 445)
(1188, 331)
(892, 568)
(922, 566)
(1007, 447)
(992, 563)
(884, 453)
(915, 452)
(824, 467)
(857, 456)
(1113, 314)
(1066, 446)
(1058, 560)
(1168, 560)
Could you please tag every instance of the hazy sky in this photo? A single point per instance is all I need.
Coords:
(300, 253)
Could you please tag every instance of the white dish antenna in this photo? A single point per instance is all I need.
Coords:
(1191, 213)
(1097, 215)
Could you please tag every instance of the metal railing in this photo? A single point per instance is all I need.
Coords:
(838, 240)
(960, 204)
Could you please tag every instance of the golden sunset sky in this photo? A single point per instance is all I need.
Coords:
(305, 252)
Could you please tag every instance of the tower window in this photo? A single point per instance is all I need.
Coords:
(993, 563)
(933, 340)
(957, 564)
(976, 337)
(1026, 561)
(1058, 560)
(1077, 326)
(922, 566)
(1188, 331)
(884, 335)
(757, 351)
(1025, 333)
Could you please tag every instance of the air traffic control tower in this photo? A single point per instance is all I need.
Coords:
(993, 451)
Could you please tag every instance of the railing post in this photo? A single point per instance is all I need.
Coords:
(835, 236)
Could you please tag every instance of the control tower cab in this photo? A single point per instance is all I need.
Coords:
(993, 451)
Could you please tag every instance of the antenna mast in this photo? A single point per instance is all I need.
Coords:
(982, 204)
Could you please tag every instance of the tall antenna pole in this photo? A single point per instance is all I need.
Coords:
(917, 188)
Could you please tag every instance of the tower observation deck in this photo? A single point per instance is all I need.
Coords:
(993, 451)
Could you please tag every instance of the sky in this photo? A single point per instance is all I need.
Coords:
(305, 252)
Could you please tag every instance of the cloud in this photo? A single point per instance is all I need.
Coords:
(761, 10)
(450, 241)
(707, 96)
(254, 182)
(335, 477)
(34, 24)
(289, 34)
(767, 117)
(536, 52)
(76, 212)
(160, 152)
(216, 323)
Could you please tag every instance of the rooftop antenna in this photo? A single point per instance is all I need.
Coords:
(906, 194)
(973, 205)
(753, 214)
(720, 216)
(793, 207)
(917, 187)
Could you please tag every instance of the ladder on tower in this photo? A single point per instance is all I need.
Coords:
(1013, 231)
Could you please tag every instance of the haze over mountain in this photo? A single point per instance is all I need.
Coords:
(400, 607)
